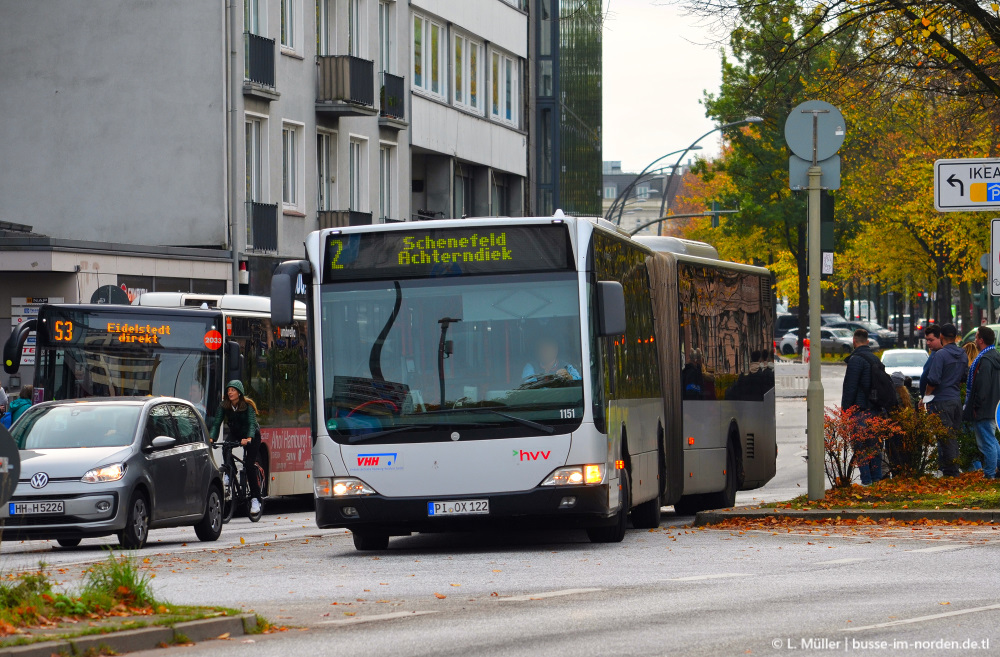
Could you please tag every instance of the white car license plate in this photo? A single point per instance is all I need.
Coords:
(458, 508)
(36, 508)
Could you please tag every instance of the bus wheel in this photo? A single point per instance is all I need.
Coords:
(614, 533)
(370, 541)
(647, 514)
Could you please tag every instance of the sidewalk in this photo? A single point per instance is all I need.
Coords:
(903, 515)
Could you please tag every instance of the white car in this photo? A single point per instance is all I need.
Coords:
(908, 361)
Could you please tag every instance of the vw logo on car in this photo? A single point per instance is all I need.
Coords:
(39, 480)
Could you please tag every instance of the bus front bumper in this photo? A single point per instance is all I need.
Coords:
(549, 506)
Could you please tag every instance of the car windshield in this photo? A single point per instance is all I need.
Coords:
(416, 358)
(841, 333)
(871, 327)
(904, 359)
(68, 426)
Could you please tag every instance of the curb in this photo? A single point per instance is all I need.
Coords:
(145, 638)
(711, 517)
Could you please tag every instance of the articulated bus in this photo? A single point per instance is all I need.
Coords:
(187, 346)
(541, 370)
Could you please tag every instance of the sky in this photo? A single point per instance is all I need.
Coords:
(658, 62)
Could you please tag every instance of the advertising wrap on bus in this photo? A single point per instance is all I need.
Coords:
(446, 252)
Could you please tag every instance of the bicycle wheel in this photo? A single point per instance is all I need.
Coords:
(257, 472)
(229, 494)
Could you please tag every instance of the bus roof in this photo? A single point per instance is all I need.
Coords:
(225, 302)
(665, 244)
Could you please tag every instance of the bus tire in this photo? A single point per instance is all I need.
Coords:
(615, 532)
(366, 541)
(648, 514)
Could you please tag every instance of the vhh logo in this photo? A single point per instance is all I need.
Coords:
(368, 460)
(383, 460)
(531, 456)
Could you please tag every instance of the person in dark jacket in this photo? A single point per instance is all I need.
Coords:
(857, 393)
(932, 335)
(982, 397)
(21, 404)
(240, 414)
(942, 396)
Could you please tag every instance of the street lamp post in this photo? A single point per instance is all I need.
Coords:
(693, 146)
(628, 188)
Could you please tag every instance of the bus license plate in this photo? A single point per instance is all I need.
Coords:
(458, 508)
(36, 508)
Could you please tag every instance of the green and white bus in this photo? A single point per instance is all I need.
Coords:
(541, 370)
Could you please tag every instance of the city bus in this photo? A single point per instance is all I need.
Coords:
(549, 371)
(187, 346)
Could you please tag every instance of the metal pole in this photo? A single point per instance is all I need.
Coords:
(814, 394)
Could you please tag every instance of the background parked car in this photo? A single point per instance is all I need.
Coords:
(835, 341)
(120, 465)
(971, 335)
(908, 361)
(784, 323)
(886, 338)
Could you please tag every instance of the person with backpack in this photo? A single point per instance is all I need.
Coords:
(982, 397)
(942, 397)
(869, 390)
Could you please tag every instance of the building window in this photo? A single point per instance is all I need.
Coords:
(359, 175)
(355, 28)
(428, 56)
(255, 159)
(642, 192)
(610, 192)
(290, 165)
(326, 168)
(498, 195)
(251, 17)
(503, 104)
(323, 43)
(385, 36)
(289, 24)
(386, 178)
(466, 72)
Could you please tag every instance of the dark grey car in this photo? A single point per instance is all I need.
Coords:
(113, 466)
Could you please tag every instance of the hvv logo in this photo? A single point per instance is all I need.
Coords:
(379, 461)
(531, 456)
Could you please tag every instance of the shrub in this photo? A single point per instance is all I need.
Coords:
(121, 580)
(846, 434)
(912, 448)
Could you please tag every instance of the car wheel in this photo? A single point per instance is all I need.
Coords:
(787, 349)
(136, 531)
(209, 528)
(68, 542)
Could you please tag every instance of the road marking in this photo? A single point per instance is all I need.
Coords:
(547, 594)
(695, 578)
(920, 619)
(836, 561)
(939, 548)
(376, 617)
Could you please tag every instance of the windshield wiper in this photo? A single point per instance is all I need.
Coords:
(411, 427)
(485, 409)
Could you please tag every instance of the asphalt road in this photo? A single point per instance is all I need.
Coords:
(674, 590)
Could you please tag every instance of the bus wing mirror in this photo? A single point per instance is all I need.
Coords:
(610, 309)
(234, 361)
(283, 290)
(12, 348)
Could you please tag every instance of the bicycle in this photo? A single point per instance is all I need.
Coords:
(236, 491)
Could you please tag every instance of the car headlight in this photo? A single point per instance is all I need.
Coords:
(341, 487)
(576, 475)
(104, 474)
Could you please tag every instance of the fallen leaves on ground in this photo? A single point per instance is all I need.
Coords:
(969, 490)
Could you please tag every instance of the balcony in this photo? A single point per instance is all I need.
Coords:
(342, 218)
(392, 100)
(258, 67)
(346, 86)
(262, 227)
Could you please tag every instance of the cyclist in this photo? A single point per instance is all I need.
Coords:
(240, 414)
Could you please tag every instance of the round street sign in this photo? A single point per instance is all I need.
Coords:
(10, 465)
(830, 130)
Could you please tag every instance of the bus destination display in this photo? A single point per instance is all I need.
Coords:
(66, 326)
(447, 252)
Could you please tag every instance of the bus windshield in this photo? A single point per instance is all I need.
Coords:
(485, 356)
(119, 353)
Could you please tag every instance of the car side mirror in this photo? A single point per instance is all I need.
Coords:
(163, 442)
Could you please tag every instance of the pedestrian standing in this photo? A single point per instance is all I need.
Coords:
(942, 396)
(21, 404)
(971, 351)
(857, 395)
(932, 335)
(3, 400)
(982, 396)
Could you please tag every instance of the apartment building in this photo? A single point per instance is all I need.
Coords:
(469, 132)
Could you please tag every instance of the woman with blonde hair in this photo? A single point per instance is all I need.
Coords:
(971, 351)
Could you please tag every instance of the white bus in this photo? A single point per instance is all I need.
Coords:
(547, 370)
(188, 346)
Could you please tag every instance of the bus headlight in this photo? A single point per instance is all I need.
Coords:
(104, 474)
(341, 487)
(576, 475)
